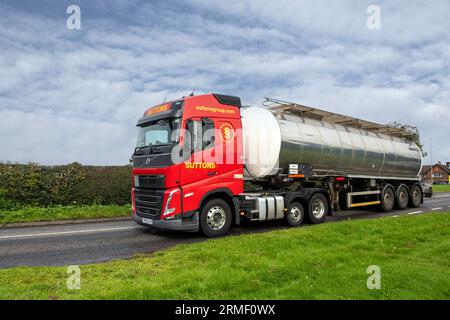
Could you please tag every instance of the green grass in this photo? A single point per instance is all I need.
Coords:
(32, 214)
(441, 188)
(327, 261)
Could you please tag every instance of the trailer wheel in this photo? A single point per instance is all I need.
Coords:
(415, 197)
(295, 214)
(402, 198)
(317, 208)
(215, 218)
(387, 199)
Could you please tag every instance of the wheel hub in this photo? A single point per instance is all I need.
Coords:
(387, 199)
(295, 214)
(216, 218)
(318, 208)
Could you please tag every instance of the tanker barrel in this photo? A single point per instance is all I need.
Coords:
(273, 140)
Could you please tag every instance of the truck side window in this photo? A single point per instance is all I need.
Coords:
(201, 133)
(194, 141)
(208, 133)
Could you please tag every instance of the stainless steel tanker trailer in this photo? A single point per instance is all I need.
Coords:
(324, 161)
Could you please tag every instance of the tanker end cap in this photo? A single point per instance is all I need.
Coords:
(262, 142)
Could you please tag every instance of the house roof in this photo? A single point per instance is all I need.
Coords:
(427, 168)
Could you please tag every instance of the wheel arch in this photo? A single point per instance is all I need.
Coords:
(397, 189)
(226, 195)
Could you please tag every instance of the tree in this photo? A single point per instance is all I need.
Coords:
(415, 134)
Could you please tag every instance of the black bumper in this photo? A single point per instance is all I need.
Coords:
(174, 225)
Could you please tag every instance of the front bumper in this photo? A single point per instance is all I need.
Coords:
(174, 225)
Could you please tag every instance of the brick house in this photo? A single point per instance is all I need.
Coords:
(440, 173)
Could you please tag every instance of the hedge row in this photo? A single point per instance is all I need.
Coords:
(38, 185)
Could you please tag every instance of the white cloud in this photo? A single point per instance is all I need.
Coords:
(75, 95)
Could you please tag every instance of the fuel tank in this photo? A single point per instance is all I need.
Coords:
(273, 141)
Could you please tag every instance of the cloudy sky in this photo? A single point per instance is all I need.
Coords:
(75, 95)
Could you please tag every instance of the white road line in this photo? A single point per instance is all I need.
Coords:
(396, 216)
(415, 212)
(64, 232)
(447, 195)
(436, 209)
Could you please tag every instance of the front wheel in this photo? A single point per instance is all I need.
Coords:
(215, 218)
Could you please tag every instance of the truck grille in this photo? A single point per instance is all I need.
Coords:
(148, 203)
(150, 181)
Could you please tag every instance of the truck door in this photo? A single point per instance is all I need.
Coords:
(199, 172)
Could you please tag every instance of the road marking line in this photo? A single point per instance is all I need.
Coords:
(64, 232)
(396, 216)
(415, 212)
(448, 195)
(436, 209)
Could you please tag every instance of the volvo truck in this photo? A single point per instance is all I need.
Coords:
(206, 163)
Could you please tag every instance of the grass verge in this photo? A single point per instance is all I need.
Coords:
(441, 188)
(33, 214)
(327, 261)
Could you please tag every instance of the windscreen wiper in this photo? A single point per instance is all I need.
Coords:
(140, 149)
(159, 145)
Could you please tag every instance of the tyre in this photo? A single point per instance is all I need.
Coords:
(387, 199)
(215, 218)
(415, 197)
(317, 208)
(295, 214)
(401, 201)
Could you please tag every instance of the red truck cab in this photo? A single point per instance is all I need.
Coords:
(188, 165)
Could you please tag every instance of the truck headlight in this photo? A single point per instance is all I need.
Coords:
(168, 210)
(133, 201)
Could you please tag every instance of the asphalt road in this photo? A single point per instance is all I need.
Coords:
(103, 241)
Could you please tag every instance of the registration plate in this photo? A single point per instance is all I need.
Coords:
(147, 221)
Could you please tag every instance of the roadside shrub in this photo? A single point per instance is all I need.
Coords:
(37, 185)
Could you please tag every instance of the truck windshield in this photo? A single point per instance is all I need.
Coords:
(157, 133)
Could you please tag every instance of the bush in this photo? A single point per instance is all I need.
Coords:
(33, 184)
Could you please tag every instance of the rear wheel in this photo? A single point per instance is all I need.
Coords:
(415, 197)
(295, 214)
(402, 198)
(215, 218)
(317, 208)
(387, 199)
